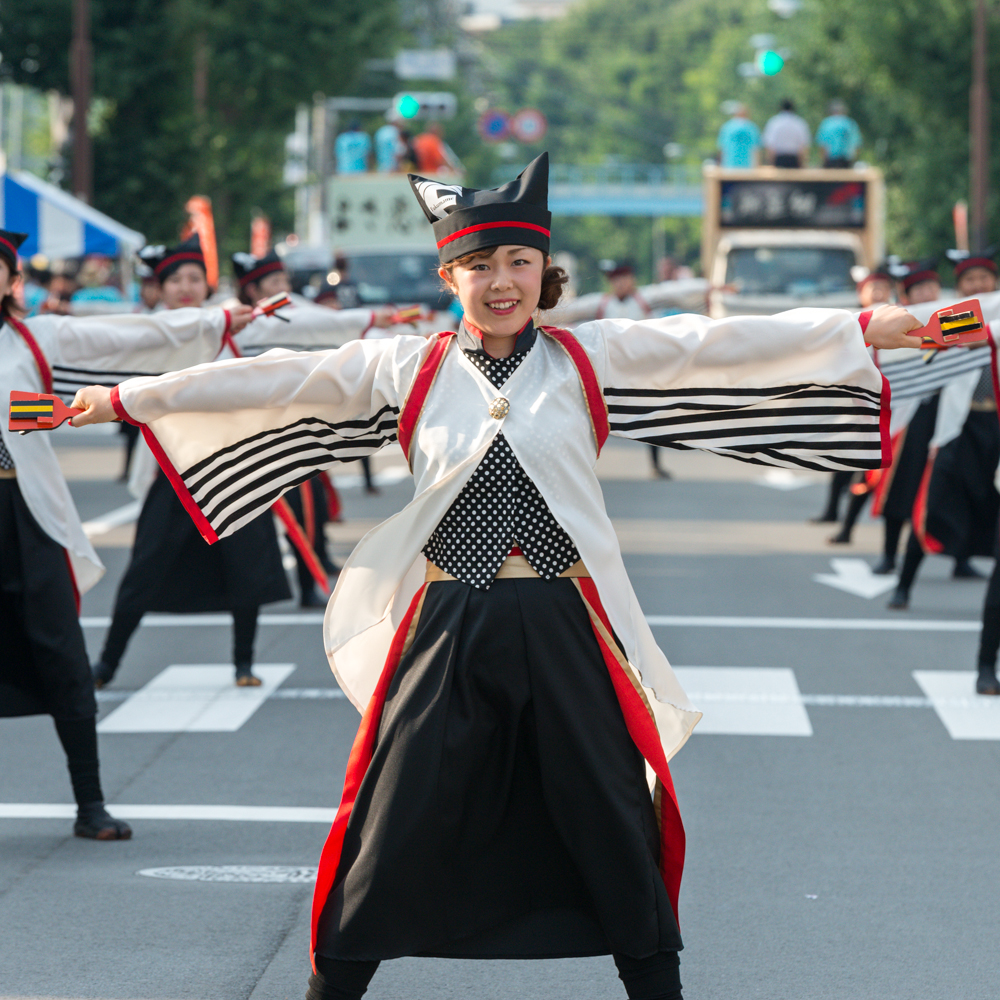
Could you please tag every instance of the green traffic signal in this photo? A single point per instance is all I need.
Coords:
(408, 106)
(770, 63)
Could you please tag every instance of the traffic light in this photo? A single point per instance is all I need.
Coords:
(412, 104)
(769, 62)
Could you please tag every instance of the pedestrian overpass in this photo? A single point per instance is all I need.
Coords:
(620, 189)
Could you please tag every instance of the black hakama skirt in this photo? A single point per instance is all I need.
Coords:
(505, 811)
(907, 470)
(962, 505)
(174, 569)
(44, 668)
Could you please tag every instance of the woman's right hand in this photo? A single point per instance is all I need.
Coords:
(95, 401)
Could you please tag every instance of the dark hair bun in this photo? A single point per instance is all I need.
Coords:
(553, 280)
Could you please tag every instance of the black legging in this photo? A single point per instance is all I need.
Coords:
(79, 740)
(126, 621)
(893, 529)
(989, 638)
(654, 978)
(839, 482)
(911, 563)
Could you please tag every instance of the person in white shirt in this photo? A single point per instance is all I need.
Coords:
(787, 138)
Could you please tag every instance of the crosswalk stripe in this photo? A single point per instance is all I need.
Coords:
(194, 698)
(965, 716)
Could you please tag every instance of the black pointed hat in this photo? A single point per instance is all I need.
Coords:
(466, 220)
(9, 243)
(166, 260)
(963, 260)
(248, 268)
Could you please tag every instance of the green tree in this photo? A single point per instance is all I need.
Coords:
(165, 138)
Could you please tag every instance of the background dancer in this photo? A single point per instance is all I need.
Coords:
(171, 568)
(46, 560)
(495, 804)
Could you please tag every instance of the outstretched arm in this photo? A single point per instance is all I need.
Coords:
(108, 349)
(309, 327)
(797, 390)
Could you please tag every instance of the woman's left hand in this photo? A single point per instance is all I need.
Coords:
(95, 401)
(889, 327)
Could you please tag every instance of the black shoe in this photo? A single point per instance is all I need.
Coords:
(662, 473)
(900, 600)
(94, 822)
(103, 674)
(886, 567)
(312, 600)
(964, 570)
(245, 677)
(987, 682)
(841, 538)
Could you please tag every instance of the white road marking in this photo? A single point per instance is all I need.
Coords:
(856, 577)
(965, 715)
(224, 814)
(746, 701)
(301, 694)
(113, 519)
(283, 874)
(195, 698)
(900, 624)
(784, 479)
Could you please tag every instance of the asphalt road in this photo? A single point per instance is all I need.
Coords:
(842, 798)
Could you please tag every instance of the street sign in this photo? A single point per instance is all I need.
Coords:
(371, 210)
(529, 125)
(494, 125)
(425, 64)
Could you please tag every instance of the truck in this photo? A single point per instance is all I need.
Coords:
(776, 238)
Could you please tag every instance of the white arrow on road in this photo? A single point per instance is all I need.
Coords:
(856, 577)
(784, 479)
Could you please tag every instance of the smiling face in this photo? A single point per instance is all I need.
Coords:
(270, 284)
(498, 292)
(922, 291)
(7, 278)
(187, 286)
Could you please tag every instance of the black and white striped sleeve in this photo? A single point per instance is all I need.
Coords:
(796, 390)
(234, 436)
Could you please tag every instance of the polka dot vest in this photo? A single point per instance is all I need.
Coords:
(499, 507)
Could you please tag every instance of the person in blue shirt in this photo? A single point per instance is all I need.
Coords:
(838, 137)
(739, 141)
(353, 149)
(390, 149)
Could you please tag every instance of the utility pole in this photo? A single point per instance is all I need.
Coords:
(81, 67)
(979, 131)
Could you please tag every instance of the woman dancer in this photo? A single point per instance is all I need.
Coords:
(171, 568)
(46, 560)
(513, 695)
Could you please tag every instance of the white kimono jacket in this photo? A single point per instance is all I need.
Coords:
(83, 351)
(796, 390)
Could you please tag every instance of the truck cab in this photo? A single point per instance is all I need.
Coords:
(775, 239)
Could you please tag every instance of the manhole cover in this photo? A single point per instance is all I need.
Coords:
(302, 875)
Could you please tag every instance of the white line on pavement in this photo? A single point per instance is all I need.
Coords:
(965, 718)
(657, 621)
(235, 814)
(113, 519)
(301, 694)
(194, 698)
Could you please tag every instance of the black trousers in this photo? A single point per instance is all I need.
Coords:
(505, 813)
(989, 638)
(43, 659)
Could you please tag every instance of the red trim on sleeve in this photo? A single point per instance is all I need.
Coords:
(492, 225)
(592, 394)
(357, 767)
(864, 319)
(40, 360)
(413, 406)
(119, 408)
(371, 323)
(183, 493)
(884, 420)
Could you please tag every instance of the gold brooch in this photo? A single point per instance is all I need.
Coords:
(499, 408)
